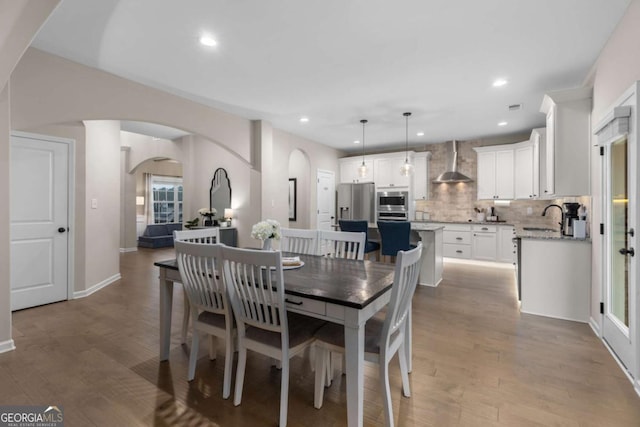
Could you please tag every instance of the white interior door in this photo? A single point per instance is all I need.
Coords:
(619, 311)
(326, 199)
(39, 204)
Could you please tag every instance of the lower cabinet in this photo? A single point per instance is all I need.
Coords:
(482, 242)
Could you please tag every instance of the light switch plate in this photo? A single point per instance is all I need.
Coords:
(94, 203)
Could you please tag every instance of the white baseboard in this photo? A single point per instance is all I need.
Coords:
(7, 345)
(125, 250)
(553, 317)
(595, 327)
(96, 287)
(431, 285)
(495, 264)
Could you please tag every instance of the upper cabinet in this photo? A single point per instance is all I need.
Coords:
(349, 170)
(495, 172)
(567, 145)
(526, 172)
(421, 176)
(387, 171)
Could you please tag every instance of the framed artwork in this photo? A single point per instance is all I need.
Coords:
(293, 188)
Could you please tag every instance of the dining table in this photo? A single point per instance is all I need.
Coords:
(342, 291)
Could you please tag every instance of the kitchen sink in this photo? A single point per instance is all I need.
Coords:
(542, 229)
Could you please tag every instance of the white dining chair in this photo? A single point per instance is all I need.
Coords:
(341, 244)
(383, 337)
(254, 281)
(202, 235)
(210, 311)
(300, 241)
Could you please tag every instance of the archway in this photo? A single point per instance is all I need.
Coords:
(299, 170)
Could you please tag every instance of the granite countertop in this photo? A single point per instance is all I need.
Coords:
(462, 222)
(546, 235)
(424, 226)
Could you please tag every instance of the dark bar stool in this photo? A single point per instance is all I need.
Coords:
(395, 236)
(360, 226)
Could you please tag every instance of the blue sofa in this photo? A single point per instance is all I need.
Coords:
(158, 235)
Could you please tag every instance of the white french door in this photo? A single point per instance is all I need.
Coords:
(620, 237)
(39, 206)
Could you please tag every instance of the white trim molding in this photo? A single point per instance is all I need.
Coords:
(7, 345)
(125, 250)
(97, 287)
(595, 327)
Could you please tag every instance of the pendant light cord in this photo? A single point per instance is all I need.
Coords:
(363, 121)
(406, 145)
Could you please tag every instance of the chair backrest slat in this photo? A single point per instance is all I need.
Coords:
(341, 244)
(405, 281)
(198, 265)
(299, 241)
(205, 235)
(254, 282)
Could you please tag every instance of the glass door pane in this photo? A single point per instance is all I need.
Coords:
(619, 288)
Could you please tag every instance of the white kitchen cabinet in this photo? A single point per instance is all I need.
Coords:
(567, 145)
(387, 172)
(349, 170)
(495, 172)
(484, 243)
(456, 241)
(526, 171)
(506, 246)
(421, 176)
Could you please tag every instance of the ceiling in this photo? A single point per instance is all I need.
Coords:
(338, 61)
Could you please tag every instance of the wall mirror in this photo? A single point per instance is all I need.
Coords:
(220, 193)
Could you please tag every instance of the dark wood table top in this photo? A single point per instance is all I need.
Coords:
(339, 281)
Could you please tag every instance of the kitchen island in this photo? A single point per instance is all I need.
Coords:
(431, 237)
(431, 268)
(555, 272)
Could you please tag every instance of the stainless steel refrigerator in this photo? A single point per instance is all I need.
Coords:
(357, 201)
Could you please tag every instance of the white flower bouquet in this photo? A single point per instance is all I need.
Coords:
(207, 212)
(268, 229)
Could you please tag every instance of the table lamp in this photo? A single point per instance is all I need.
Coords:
(228, 215)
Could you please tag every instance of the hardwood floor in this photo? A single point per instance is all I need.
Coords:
(477, 362)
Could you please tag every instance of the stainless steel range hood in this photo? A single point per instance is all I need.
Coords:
(451, 174)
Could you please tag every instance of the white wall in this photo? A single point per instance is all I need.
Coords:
(5, 288)
(616, 69)
(102, 233)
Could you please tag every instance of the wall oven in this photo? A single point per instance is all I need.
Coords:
(393, 205)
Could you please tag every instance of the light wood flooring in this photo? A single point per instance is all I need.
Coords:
(477, 362)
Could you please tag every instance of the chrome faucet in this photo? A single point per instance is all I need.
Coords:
(544, 213)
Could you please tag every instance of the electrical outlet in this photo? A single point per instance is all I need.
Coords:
(529, 210)
(94, 203)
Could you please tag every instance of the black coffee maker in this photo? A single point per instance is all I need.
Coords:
(570, 213)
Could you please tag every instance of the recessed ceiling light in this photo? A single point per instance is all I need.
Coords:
(304, 119)
(499, 82)
(502, 124)
(208, 41)
(356, 141)
(420, 134)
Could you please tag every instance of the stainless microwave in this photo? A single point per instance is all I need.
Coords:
(393, 205)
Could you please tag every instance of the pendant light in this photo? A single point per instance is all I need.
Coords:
(362, 169)
(407, 168)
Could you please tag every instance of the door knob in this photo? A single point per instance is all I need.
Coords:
(61, 230)
(625, 251)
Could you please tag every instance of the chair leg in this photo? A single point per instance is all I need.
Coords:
(228, 363)
(242, 362)
(193, 356)
(386, 391)
(321, 366)
(185, 318)
(212, 347)
(284, 391)
(404, 371)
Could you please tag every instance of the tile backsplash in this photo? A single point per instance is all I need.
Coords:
(456, 202)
